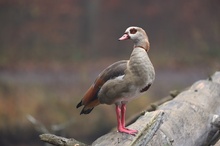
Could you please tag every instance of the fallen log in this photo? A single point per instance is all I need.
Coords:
(192, 118)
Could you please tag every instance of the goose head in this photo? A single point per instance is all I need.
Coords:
(138, 36)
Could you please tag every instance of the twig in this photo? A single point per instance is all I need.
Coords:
(60, 141)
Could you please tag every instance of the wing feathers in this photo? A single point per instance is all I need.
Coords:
(90, 99)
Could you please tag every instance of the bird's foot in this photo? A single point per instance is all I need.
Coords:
(128, 131)
(132, 130)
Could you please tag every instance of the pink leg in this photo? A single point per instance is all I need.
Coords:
(121, 121)
(123, 111)
(118, 114)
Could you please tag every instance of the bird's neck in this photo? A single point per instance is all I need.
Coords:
(142, 43)
(139, 67)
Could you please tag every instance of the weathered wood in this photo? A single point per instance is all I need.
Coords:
(187, 119)
(192, 118)
(147, 125)
(60, 141)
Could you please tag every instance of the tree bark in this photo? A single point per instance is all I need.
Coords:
(192, 118)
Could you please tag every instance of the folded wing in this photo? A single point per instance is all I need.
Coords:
(90, 99)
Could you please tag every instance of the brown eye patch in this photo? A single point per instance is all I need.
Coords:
(133, 31)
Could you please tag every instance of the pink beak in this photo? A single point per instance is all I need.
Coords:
(124, 37)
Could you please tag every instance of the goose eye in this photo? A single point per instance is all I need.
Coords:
(133, 31)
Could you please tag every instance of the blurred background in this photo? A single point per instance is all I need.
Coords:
(52, 51)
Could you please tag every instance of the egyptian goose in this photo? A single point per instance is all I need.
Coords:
(123, 80)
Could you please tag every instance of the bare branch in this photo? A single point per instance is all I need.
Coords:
(60, 141)
(37, 124)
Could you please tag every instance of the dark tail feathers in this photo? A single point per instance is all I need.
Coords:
(79, 104)
(85, 109)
